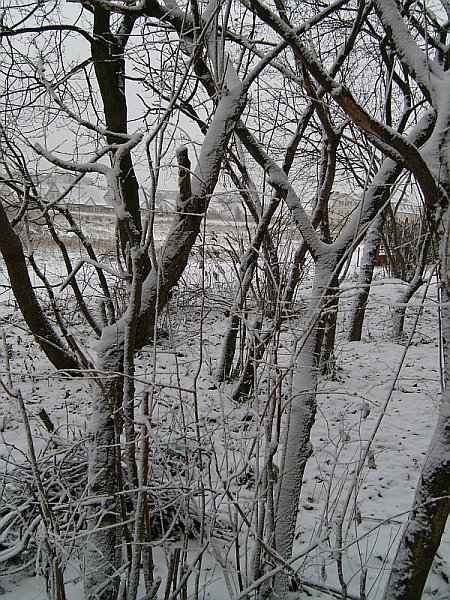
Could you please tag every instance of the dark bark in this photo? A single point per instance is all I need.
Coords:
(365, 279)
(329, 325)
(256, 349)
(229, 347)
(109, 64)
(393, 244)
(30, 307)
(426, 524)
(423, 533)
(184, 174)
(417, 281)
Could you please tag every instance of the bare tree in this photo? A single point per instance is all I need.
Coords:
(300, 64)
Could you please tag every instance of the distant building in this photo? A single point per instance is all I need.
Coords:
(222, 207)
(87, 197)
(84, 197)
(407, 212)
(7, 194)
(342, 205)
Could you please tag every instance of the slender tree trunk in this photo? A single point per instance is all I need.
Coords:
(41, 328)
(327, 360)
(358, 311)
(272, 278)
(398, 320)
(109, 63)
(295, 275)
(256, 348)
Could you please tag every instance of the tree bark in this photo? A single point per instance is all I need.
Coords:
(109, 64)
(297, 447)
(41, 328)
(398, 320)
(426, 524)
(365, 277)
(329, 325)
(101, 557)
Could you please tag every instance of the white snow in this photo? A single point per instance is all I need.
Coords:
(231, 437)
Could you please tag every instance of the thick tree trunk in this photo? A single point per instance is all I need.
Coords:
(422, 535)
(41, 328)
(301, 415)
(297, 450)
(101, 556)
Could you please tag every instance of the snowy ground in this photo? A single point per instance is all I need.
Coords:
(374, 423)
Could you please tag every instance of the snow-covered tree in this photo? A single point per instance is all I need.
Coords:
(292, 102)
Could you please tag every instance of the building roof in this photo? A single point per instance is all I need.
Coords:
(85, 193)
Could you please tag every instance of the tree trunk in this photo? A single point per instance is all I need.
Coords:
(398, 320)
(101, 557)
(301, 415)
(247, 268)
(423, 531)
(256, 348)
(327, 360)
(365, 279)
(41, 328)
(109, 64)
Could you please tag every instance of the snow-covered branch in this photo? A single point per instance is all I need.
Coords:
(97, 265)
(345, 99)
(421, 66)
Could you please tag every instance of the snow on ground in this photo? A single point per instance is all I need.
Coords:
(193, 418)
